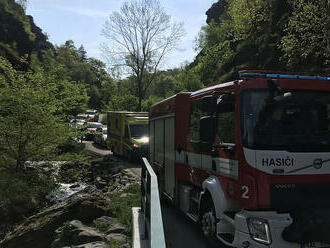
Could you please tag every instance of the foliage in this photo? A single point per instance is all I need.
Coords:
(188, 80)
(115, 243)
(306, 43)
(263, 34)
(88, 73)
(147, 103)
(72, 151)
(141, 35)
(30, 128)
(121, 204)
(125, 102)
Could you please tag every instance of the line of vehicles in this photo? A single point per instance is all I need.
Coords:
(126, 133)
(88, 127)
(247, 160)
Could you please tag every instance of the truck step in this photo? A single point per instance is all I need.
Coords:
(229, 216)
(228, 237)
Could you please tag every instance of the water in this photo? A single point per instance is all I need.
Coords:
(64, 191)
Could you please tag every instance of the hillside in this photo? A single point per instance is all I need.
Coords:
(19, 36)
(287, 35)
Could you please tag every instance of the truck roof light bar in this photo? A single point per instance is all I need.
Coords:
(281, 76)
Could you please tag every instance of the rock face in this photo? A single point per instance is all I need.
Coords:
(216, 11)
(39, 230)
(14, 21)
(76, 233)
(81, 220)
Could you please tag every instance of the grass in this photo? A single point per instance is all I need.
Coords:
(121, 204)
(103, 227)
(114, 243)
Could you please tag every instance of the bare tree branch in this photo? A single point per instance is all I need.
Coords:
(140, 36)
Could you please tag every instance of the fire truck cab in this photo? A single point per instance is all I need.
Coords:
(250, 159)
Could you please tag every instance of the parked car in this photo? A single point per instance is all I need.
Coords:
(91, 129)
(100, 136)
(81, 119)
(92, 115)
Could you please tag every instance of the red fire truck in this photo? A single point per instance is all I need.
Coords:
(249, 160)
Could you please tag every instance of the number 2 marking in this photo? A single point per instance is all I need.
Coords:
(245, 192)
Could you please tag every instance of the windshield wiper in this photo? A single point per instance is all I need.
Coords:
(317, 164)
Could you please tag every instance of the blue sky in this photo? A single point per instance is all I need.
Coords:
(82, 21)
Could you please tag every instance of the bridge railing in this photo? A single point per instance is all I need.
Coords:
(150, 205)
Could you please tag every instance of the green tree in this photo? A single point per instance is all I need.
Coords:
(188, 80)
(306, 40)
(151, 100)
(30, 128)
(123, 103)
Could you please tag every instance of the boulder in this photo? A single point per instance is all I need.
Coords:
(98, 244)
(93, 245)
(38, 231)
(100, 183)
(126, 245)
(117, 237)
(80, 234)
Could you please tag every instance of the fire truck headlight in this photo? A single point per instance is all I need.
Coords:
(259, 230)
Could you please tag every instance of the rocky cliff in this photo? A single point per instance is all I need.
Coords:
(19, 36)
(216, 11)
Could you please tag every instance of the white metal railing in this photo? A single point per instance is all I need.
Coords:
(150, 202)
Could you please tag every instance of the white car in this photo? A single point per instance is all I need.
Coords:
(91, 129)
(92, 115)
(81, 119)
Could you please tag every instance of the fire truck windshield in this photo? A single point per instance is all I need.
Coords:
(291, 120)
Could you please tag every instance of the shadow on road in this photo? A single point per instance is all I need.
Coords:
(180, 231)
(99, 147)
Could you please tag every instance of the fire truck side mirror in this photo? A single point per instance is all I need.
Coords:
(209, 104)
(207, 129)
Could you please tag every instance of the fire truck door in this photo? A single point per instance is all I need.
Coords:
(169, 156)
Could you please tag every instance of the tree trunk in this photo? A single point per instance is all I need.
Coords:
(19, 164)
(140, 93)
(140, 103)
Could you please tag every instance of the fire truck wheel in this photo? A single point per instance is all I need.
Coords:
(208, 221)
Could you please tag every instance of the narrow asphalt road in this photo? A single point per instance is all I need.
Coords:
(181, 232)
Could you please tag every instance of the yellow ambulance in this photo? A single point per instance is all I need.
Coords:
(128, 134)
